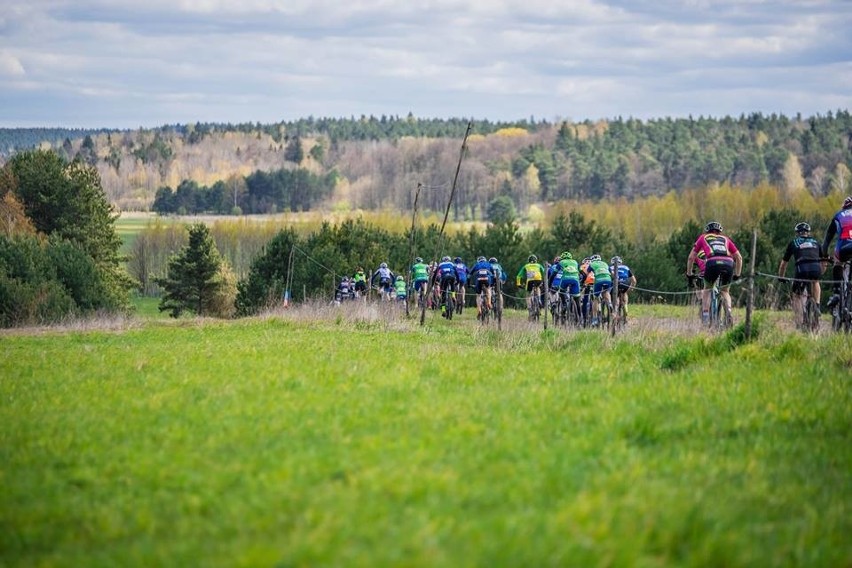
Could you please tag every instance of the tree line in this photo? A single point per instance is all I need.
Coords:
(376, 162)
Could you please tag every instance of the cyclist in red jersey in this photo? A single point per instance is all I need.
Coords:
(840, 226)
(723, 262)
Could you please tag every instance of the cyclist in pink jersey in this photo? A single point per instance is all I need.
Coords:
(723, 262)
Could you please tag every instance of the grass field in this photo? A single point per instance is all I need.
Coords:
(352, 438)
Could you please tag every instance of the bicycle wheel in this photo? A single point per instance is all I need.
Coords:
(811, 319)
(451, 305)
(605, 315)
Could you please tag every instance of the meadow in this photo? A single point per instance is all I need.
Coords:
(353, 437)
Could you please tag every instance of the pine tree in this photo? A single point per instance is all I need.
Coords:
(193, 282)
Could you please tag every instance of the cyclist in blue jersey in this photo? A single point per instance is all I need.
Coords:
(626, 280)
(446, 278)
(499, 275)
(482, 277)
(462, 272)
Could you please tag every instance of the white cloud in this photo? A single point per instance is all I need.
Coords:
(10, 65)
(163, 60)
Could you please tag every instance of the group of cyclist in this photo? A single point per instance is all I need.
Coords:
(719, 262)
(811, 258)
(588, 281)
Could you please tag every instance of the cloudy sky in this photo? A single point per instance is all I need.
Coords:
(145, 63)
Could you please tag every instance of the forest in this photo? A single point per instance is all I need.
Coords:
(376, 163)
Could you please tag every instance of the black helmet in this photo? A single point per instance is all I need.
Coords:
(713, 227)
(418, 260)
(445, 259)
(532, 258)
(803, 228)
(480, 259)
(616, 260)
(847, 203)
(457, 259)
(493, 260)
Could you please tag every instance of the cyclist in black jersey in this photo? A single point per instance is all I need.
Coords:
(807, 253)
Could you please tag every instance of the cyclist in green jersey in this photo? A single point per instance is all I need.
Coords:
(360, 281)
(603, 284)
(419, 276)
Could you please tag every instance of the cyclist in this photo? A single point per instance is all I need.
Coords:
(500, 274)
(419, 276)
(345, 290)
(626, 280)
(360, 281)
(554, 279)
(723, 262)
(807, 252)
(399, 287)
(462, 271)
(569, 286)
(385, 279)
(482, 277)
(587, 281)
(446, 278)
(532, 273)
(603, 284)
(840, 226)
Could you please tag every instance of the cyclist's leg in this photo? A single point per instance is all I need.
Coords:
(797, 301)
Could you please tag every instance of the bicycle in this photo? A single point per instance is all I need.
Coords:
(619, 320)
(841, 313)
(497, 305)
(717, 320)
(482, 303)
(808, 317)
(535, 304)
(448, 297)
(605, 314)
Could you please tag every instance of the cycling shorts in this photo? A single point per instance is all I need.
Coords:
(448, 283)
(479, 285)
(843, 252)
(623, 288)
(360, 286)
(804, 278)
(602, 286)
(718, 269)
(571, 286)
(533, 284)
(418, 284)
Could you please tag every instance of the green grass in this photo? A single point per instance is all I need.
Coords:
(327, 441)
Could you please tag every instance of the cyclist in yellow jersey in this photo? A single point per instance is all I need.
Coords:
(533, 275)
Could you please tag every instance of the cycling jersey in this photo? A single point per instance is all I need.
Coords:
(399, 288)
(840, 226)
(531, 272)
(461, 272)
(807, 252)
(624, 273)
(498, 271)
(600, 270)
(554, 275)
(446, 271)
(420, 271)
(384, 276)
(482, 272)
(570, 269)
(716, 247)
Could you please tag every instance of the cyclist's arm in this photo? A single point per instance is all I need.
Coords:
(521, 272)
(829, 235)
(738, 263)
(690, 261)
